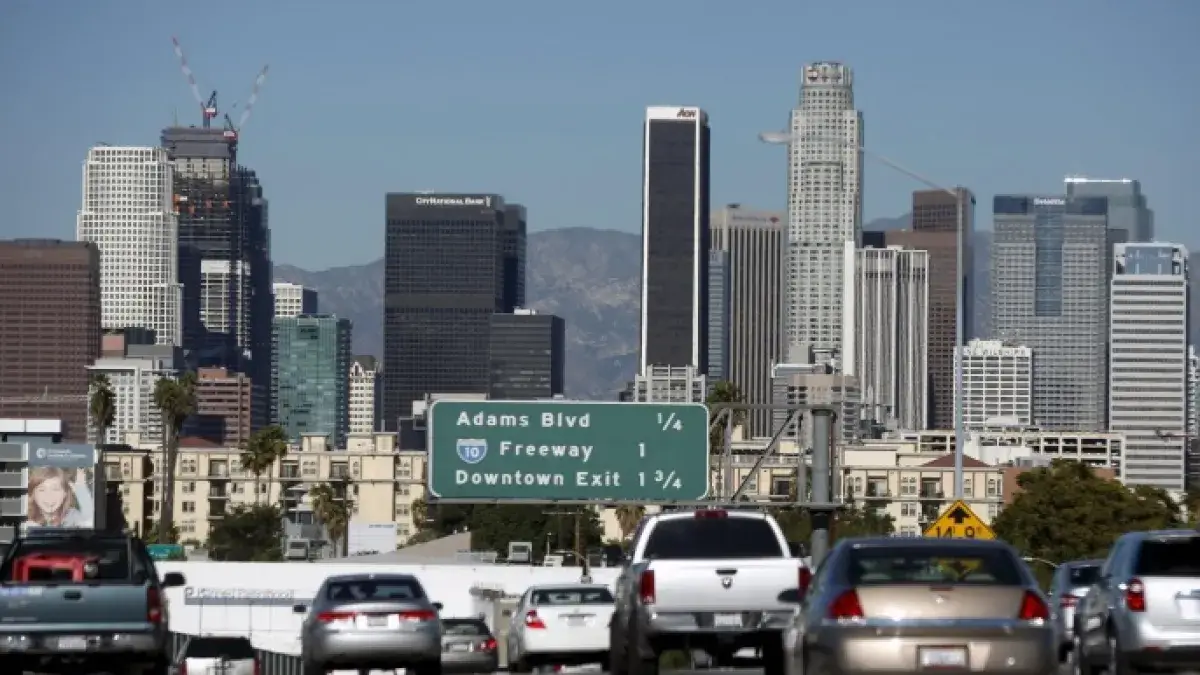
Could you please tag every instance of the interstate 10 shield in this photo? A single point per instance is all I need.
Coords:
(472, 450)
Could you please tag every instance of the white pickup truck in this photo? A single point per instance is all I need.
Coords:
(711, 579)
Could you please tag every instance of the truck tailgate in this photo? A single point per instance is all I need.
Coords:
(70, 607)
(735, 584)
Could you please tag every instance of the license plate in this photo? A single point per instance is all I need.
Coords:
(74, 644)
(576, 621)
(944, 657)
(377, 622)
(1189, 609)
(727, 620)
(460, 648)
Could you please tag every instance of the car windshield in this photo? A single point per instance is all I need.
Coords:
(375, 589)
(233, 648)
(1169, 557)
(468, 627)
(1083, 575)
(572, 596)
(67, 559)
(724, 538)
(943, 564)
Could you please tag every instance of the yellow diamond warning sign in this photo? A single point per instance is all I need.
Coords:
(959, 521)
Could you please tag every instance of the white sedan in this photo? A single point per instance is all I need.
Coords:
(560, 626)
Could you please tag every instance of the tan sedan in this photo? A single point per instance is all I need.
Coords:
(901, 605)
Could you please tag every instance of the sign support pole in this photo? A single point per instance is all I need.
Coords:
(822, 480)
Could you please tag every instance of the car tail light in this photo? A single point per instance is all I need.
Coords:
(1068, 601)
(646, 587)
(418, 615)
(257, 667)
(1033, 608)
(712, 513)
(805, 578)
(532, 620)
(1135, 595)
(845, 606)
(183, 668)
(489, 645)
(154, 606)
(330, 617)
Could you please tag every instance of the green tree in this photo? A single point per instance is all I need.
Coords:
(176, 401)
(723, 391)
(102, 406)
(628, 516)
(1067, 512)
(158, 534)
(260, 452)
(493, 527)
(333, 511)
(248, 533)
(852, 521)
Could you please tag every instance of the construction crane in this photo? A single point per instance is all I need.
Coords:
(44, 398)
(208, 108)
(232, 131)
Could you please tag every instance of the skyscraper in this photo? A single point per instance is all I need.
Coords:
(675, 241)
(224, 253)
(310, 384)
(824, 205)
(446, 260)
(1128, 209)
(937, 211)
(887, 317)
(718, 315)
(997, 385)
(1148, 361)
(293, 299)
(754, 242)
(527, 356)
(1050, 267)
(127, 211)
(50, 332)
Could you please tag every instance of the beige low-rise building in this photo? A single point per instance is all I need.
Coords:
(381, 482)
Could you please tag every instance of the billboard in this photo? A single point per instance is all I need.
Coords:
(365, 538)
(62, 486)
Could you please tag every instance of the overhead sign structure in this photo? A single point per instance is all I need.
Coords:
(568, 451)
(960, 522)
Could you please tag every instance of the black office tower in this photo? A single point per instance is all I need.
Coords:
(527, 356)
(224, 254)
(514, 256)
(446, 259)
(675, 238)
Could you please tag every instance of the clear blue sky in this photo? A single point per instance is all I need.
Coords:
(542, 100)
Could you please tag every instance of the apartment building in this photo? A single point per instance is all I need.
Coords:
(380, 481)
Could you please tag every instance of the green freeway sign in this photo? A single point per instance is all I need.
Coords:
(568, 451)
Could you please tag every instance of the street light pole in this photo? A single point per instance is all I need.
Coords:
(959, 194)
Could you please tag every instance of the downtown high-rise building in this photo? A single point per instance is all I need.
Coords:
(675, 239)
(1050, 270)
(224, 253)
(1148, 361)
(128, 213)
(886, 305)
(997, 385)
(938, 211)
(452, 261)
(293, 299)
(753, 241)
(310, 385)
(1128, 209)
(824, 183)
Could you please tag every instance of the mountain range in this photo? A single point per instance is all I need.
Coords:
(589, 277)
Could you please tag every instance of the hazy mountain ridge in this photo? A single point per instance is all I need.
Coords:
(589, 277)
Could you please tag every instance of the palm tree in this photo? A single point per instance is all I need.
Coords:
(265, 447)
(628, 517)
(102, 406)
(724, 391)
(333, 512)
(176, 401)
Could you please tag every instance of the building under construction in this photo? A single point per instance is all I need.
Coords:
(224, 253)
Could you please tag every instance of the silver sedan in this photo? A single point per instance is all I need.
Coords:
(371, 621)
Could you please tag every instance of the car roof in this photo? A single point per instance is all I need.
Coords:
(351, 578)
(930, 542)
(1091, 562)
(569, 587)
(730, 512)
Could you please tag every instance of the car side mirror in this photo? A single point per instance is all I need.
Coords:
(299, 609)
(173, 580)
(438, 606)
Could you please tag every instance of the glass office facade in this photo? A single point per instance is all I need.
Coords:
(310, 376)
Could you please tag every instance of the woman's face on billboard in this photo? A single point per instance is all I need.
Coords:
(50, 495)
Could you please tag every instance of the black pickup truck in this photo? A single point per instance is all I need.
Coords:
(75, 601)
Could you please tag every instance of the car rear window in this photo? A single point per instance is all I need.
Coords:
(375, 589)
(572, 596)
(946, 564)
(1083, 575)
(51, 560)
(233, 648)
(1169, 557)
(697, 538)
(464, 627)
